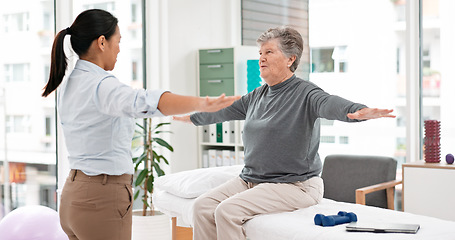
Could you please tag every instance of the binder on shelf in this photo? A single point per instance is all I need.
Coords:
(226, 157)
(205, 159)
(228, 132)
(212, 133)
(219, 158)
(219, 132)
(205, 133)
(233, 158)
(232, 134)
(212, 157)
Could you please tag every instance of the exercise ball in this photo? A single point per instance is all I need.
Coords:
(32, 223)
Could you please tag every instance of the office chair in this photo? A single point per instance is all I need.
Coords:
(349, 178)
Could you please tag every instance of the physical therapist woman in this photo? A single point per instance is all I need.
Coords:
(97, 114)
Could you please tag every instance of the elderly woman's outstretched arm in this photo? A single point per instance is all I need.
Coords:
(371, 113)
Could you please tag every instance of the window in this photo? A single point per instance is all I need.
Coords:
(134, 13)
(17, 72)
(329, 59)
(258, 16)
(437, 71)
(321, 60)
(134, 71)
(362, 69)
(340, 57)
(46, 71)
(344, 140)
(16, 22)
(18, 124)
(48, 126)
(27, 138)
(327, 139)
(431, 79)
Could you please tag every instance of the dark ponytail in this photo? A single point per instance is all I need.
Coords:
(88, 26)
(58, 64)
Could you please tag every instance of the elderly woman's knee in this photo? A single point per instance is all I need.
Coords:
(202, 204)
(226, 208)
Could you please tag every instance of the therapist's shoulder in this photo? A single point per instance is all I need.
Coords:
(92, 72)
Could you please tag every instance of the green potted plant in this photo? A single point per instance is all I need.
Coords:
(147, 167)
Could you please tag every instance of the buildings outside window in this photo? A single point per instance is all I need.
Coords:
(28, 121)
(16, 22)
(17, 72)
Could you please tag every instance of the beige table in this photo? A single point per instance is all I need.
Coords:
(429, 189)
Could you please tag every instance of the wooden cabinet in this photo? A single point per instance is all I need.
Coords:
(222, 70)
(429, 189)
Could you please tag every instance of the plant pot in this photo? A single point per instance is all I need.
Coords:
(157, 227)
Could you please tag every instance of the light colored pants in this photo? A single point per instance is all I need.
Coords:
(97, 207)
(220, 213)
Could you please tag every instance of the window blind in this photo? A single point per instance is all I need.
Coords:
(260, 15)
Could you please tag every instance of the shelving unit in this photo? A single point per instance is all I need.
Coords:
(222, 70)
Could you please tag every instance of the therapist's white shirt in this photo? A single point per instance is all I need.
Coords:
(97, 114)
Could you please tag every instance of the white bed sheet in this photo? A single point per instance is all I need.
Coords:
(172, 197)
(299, 225)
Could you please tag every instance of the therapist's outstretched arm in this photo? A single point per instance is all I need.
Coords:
(174, 104)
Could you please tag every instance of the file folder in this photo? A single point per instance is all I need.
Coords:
(219, 132)
(205, 159)
(212, 157)
(212, 133)
(205, 133)
(227, 157)
(219, 158)
(228, 132)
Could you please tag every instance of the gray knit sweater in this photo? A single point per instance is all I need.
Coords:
(281, 131)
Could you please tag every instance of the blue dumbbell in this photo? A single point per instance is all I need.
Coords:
(318, 218)
(342, 217)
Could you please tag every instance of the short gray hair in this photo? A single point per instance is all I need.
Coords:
(290, 42)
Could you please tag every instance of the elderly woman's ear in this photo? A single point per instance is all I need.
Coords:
(291, 60)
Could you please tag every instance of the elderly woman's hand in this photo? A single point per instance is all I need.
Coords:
(371, 113)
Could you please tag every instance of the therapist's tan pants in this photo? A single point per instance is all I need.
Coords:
(97, 207)
(220, 213)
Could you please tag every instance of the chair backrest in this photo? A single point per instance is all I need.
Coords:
(343, 174)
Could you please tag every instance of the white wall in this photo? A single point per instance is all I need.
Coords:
(192, 25)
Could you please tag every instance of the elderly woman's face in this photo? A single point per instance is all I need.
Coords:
(273, 63)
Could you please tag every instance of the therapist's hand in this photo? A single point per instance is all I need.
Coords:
(174, 104)
(185, 118)
(213, 104)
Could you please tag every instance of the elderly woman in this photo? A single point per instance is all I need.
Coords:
(282, 165)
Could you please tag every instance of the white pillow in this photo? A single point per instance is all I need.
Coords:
(193, 183)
